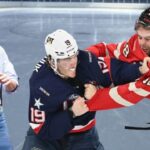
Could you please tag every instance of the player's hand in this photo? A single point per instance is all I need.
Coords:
(145, 66)
(90, 91)
(79, 107)
(9, 83)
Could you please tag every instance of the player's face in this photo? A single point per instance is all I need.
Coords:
(144, 39)
(67, 67)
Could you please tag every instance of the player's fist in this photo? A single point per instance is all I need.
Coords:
(145, 66)
(79, 107)
(90, 91)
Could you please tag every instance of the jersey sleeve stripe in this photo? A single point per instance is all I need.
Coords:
(117, 98)
(138, 91)
(36, 127)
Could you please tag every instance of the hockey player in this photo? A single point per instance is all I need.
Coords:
(58, 116)
(133, 50)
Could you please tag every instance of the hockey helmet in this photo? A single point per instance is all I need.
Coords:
(144, 18)
(60, 45)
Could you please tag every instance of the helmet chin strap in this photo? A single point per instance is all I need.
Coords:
(53, 64)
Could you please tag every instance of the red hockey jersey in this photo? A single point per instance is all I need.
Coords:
(123, 95)
(128, 51)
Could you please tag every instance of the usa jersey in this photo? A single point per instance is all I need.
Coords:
(51, 95)
(128, 51)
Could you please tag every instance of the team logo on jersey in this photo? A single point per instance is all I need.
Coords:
(38, 104)
(126, 50)
(68, 103)
(73, 97)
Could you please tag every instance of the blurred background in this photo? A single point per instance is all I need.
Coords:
(23, 27)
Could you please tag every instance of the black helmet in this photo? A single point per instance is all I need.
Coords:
(144, 19)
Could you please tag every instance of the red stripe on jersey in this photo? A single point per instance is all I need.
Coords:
(102, 101)
(37, 130)
(130, 96)
(120, 96)
(85, 128)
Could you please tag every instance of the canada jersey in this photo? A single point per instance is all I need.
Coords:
(124, 95)
(121, 96)
(128, 51)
